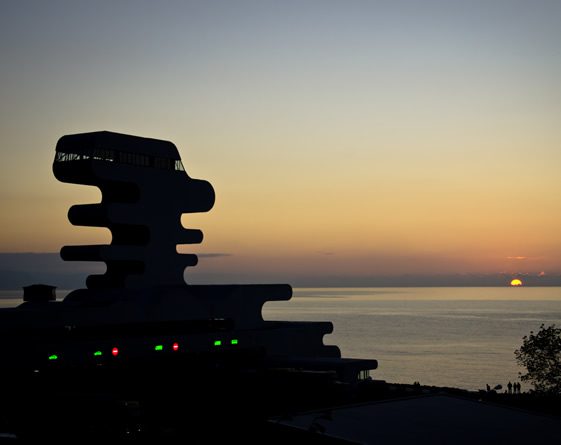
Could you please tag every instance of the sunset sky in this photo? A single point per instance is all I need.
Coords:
(344, 139)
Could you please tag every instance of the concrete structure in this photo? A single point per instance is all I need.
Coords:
(145, 190)
(139, 324)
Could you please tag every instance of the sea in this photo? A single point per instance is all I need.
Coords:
(461, 337)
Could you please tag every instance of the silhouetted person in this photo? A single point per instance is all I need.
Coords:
(488, 388)
(509, 386)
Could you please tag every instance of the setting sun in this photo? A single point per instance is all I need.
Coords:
(516, 282)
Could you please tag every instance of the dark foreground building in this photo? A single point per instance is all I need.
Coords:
(140, 353)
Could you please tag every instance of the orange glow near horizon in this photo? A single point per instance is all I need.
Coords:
(327, 160)
(516, 282)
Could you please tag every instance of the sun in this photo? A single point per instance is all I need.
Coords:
(516, 282)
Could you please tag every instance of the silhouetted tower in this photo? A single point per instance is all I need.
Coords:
(145, 190)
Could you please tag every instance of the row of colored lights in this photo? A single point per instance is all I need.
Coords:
(159, 347)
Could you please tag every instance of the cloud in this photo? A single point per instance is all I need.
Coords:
(516, 257)
(21, 269)
(213, 255)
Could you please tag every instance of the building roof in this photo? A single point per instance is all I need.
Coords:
(84, 143)
(39, 292)
(432, 419)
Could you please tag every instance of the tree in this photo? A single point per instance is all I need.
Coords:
(540, 354)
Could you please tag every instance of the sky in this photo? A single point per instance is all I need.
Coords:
(348, 142)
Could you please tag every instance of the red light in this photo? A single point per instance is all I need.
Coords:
(175, 346)
(115, 352)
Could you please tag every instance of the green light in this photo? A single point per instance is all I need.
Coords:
(98, 354)
(159, 348)
(234, 341)
(217, 342)
(53, 357)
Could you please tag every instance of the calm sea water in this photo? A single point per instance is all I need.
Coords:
(460, 337)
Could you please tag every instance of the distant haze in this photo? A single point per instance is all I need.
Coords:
(21, 269)
(349, 142)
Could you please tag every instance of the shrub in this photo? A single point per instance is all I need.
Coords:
(540, 354)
